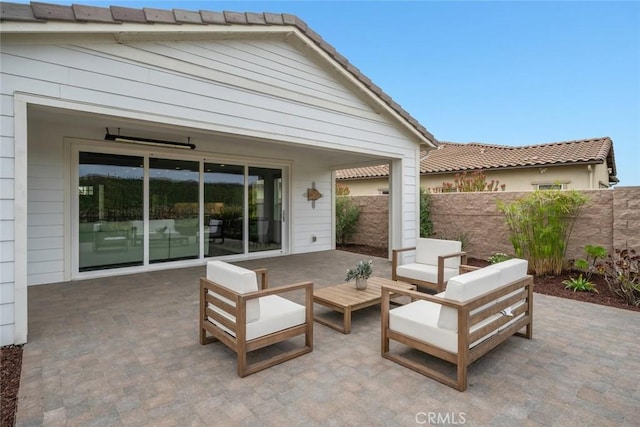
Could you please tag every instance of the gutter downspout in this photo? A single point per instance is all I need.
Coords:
(590, 177)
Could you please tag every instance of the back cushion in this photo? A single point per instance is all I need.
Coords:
(237, 279)
(465, 287)
(427, 251)
(511, 270)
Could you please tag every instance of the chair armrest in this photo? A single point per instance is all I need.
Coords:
(394, 260)
(441, 258)
(454, 254)
(264, 280)
(465, 268)
(307, 286)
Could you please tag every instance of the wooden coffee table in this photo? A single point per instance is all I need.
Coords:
(345, 298)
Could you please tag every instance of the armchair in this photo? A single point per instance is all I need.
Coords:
(235, 312)
(436, 261)
(478, 311)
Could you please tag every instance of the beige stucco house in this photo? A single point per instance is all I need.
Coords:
(579, 165)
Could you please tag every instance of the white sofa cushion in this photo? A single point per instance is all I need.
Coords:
(465, 287)
(419, 320)
(237, 279)
(427, 273)
(427, 251)
(511, 270)
(276, 313)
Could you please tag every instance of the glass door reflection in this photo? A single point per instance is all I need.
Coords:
(223, 209)
(265, 209)
(173, 210)
(110, 201)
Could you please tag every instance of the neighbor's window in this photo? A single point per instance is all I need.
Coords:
(551, 186)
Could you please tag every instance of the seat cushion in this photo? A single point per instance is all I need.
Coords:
(237, 279)
(465, 287)
(419, 320)
(428, 250)
(276, 313)
(424, 272)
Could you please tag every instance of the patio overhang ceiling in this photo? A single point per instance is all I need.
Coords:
(91, 126)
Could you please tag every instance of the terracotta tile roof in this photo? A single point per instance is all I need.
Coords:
(456, 157)
(452, 157)
(365, 172)
(43, 12)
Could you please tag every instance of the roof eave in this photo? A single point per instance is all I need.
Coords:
(288, 26)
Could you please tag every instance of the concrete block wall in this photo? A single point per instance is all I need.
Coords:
(610, 219)
(373, 223)
(626, 217)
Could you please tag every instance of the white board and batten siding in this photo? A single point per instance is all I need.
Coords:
(260, 89)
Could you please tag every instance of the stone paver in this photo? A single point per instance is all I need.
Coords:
(124, 351)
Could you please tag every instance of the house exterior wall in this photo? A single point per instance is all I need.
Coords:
(366, 187)
(263, 89)
(575, 177)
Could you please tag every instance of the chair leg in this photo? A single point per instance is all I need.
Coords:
(242, 364)
(462, 376)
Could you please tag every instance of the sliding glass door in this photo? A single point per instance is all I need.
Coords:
(195, 209)
(265, 209)
(110, 206)
(223, 209)
(173, 209)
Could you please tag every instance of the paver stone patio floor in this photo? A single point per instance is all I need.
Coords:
(124, 351)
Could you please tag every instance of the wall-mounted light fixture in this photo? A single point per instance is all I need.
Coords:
(149, 141)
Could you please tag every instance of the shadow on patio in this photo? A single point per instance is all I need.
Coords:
(124, 350)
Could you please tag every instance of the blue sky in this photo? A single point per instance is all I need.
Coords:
(510, 73)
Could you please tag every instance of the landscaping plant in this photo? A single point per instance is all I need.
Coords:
(347, 214)
(475, 181)
(426, 226)
(540, 226)
(580, 284)
(621, 273)
(498, 257)
(588, 264)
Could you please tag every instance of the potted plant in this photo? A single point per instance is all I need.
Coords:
(361, 272)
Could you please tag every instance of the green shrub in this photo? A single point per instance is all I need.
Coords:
(580, 284)
(347, 214)
(426, 226)
(588, 264)
(540, 226)
(498, 257)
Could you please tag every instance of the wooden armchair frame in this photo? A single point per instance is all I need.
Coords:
(238, 343)
(465, 356)
(440, 284)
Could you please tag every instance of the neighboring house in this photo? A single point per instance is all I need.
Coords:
(139, 139)
(580, 165)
